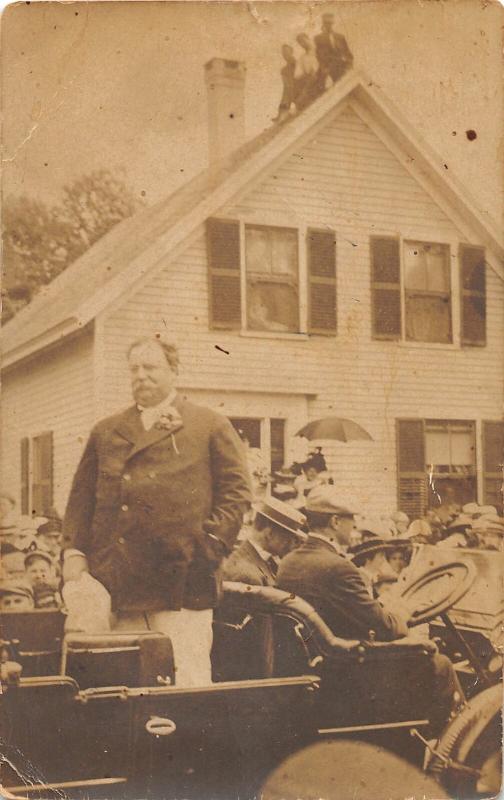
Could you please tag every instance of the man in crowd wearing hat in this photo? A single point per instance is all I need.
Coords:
(15, 596)
(156, 503)
(41, 574)
(276, 531)
(319, 573)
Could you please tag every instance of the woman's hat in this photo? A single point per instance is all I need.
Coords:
(361, 552)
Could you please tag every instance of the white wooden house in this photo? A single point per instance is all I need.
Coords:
(329, 266)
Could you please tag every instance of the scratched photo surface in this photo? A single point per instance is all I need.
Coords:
(252, 433)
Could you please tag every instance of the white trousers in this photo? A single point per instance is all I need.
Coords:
(191, 636)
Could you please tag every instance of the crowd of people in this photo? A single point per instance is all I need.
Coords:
(320, 64)
(159, 513)
(30, 548)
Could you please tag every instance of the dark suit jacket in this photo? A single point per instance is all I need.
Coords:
(334, 587)
(141, 509)
(334, 59)
(246, 565)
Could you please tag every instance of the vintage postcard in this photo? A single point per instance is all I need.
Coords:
(252, 434)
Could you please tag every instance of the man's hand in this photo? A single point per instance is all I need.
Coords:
(73, 566)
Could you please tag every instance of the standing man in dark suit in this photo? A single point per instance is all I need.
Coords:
(156, 503)
(276, 531)
(334, 55)
(319, 573)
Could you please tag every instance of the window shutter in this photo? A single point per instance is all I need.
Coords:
(493, 459)
(385, 287)
(223, 253)
(322, 311)
(277, 434)
(42, 486)
(411, 474)
(473, 295)
(25, 476)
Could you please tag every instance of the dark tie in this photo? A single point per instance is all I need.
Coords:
(272, 564)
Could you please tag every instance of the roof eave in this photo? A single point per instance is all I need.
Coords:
(48, 338)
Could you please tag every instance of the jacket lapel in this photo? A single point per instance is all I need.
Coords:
(130, 427)
(261, 565)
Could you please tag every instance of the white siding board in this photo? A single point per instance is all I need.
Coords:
(348, 180)
(52, 393)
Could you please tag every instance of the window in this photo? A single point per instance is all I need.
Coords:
(427, 292)
(450, 454)
(268, 287)
(37, 474)
(436, 463)
(412, 296)
(266, 435)
(272, 266)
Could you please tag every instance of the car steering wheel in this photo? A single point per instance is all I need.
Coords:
(436, 591)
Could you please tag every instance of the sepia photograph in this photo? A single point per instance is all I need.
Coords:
(252, 400)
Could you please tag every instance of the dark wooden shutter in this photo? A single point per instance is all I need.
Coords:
(223, 253)
(321, 256)
(25, 475)
(42, 485)
(473, 295)
(411, 473)
(493, 459)
(277, 435)
(385, 287)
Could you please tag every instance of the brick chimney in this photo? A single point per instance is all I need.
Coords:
(225, 81)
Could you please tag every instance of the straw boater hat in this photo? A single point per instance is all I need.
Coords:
(282, 515)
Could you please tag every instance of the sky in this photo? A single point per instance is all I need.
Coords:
(120, 84)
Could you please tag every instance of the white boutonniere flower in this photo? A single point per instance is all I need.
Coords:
(170, 421)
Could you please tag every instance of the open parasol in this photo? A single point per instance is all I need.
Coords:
(337, 428)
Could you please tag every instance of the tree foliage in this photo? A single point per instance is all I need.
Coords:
(40, 241)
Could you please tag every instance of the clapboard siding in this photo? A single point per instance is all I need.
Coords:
(348, 180)
(52, 393)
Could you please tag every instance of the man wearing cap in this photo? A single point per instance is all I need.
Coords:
(319, 572)
(276, 531)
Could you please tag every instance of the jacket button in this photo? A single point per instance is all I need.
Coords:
(121, 540)
(127, 477)
(124, 508)
(152, 474)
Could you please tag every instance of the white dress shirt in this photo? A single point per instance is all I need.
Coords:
(151, 414)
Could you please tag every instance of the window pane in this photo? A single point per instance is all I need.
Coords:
(426, 267)
(272, 307)
(415, 266)
(248, 429)
(437, 449)
(428, 319)
(284, 259)
(258, 250)
(438, 274)
(462, 448)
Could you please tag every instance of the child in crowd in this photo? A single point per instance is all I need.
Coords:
(41, 575)
(15, 596)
